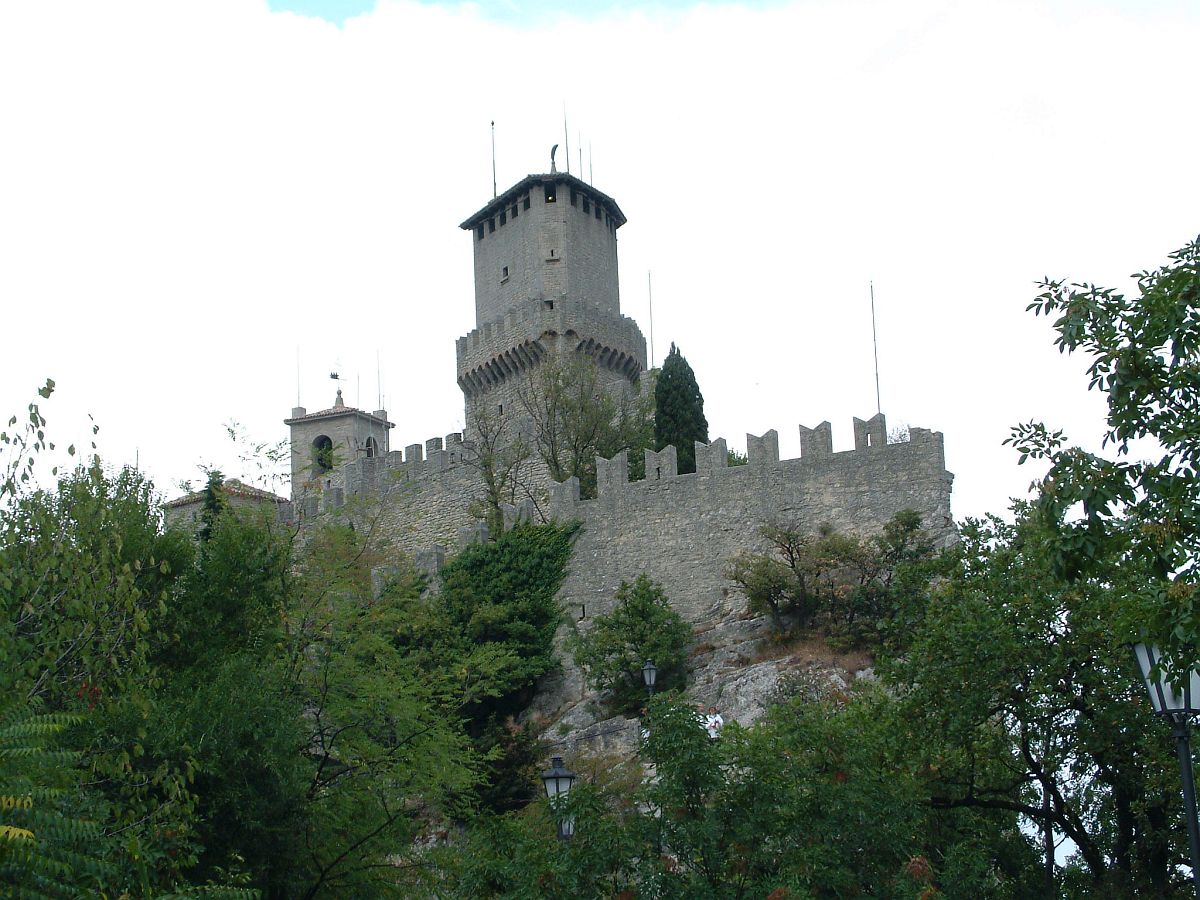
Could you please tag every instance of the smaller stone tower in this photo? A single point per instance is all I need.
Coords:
(332, 437)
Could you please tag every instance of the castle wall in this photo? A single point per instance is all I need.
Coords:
(411, 500)
(681, 530)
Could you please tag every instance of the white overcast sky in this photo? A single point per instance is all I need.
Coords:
(190, 192)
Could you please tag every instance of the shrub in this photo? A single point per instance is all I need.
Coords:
(642, 626)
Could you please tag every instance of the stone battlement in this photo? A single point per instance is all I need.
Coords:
(872, 462)
(515, 343)
(377, 476)
(682, 530)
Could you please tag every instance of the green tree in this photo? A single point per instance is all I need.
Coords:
(1020, 694)
(488, 634)
(46, 849)
(679, 410)
(1144, 354)
(575, 417)
(819, 799)
(641, 627)
(861, 590)
(213, 504)
(502, 457)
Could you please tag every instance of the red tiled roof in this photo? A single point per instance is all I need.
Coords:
(230, 486)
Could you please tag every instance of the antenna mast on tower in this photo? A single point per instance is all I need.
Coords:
(566, 138)
(875, 342)
(493, 159)
(650, 293)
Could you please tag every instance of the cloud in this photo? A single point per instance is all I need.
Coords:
(191, 191)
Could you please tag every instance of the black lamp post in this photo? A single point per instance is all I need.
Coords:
(1178, 706)
(649, 675)
(558, 781)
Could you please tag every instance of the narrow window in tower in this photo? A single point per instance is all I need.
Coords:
(525, 202)
(491, 225)
(479, 232)
(549, 304)
(504, 275)
(513, 212)
(575, 199)
(597, 212)
(587, 207)
(551, 190)
(503, 217)
(501, 409)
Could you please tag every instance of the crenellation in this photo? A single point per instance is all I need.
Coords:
(563, 497)
(519, 514)
(763, 452)
(413, 453)
(612, 475)
(871, 433)
(431, 561)
(434, 443)
(816, 442)
(711, 458)
(663, 464)
(476, 533)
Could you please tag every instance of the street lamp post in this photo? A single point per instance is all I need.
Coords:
(1178, 706)
(649, 675)
(558, 780)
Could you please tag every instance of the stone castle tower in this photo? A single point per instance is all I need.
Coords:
(545, 288)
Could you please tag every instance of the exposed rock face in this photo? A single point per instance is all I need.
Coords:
(736, 666)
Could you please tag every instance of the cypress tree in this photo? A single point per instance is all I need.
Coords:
(214, 504)
(679, 410)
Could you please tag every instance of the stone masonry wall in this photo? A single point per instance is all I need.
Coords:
(681, 530)
(550, 250)
(413, 499)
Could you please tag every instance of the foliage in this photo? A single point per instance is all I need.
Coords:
(641, 627)
(1022, 696)
(814, 801)
(45, 847)
(384, 746)
(679, 410)
(502, 457)
(1144, 354)
(575, 418)
(500, 595)
(863, 590)
(734, 458)
(213, 504)
(488, 634)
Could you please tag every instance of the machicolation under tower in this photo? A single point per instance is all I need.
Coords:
(545, 287)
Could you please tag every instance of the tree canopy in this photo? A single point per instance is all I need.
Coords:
(679, 410)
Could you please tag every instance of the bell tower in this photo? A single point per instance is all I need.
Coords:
(323, 440)
(545, 286)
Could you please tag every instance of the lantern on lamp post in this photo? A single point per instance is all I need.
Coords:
(1178, 703)
(558, 780)
(649, 675)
